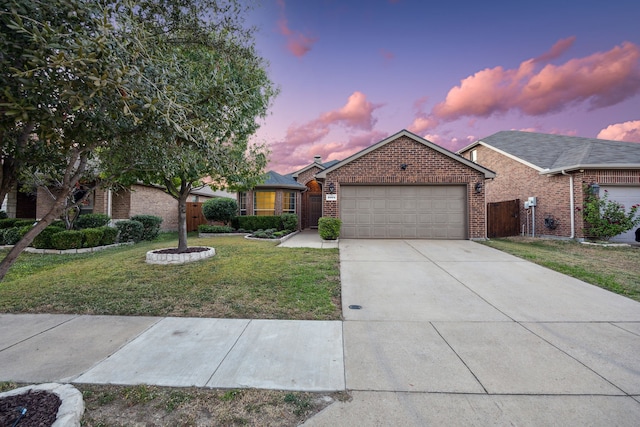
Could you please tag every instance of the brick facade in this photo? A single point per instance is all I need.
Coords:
(425, 166)
(516, 180)
(305, 178)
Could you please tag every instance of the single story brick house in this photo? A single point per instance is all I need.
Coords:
(556, 169)
(137, 200)
(401, 187)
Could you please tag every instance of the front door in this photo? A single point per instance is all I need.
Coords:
(315, 209)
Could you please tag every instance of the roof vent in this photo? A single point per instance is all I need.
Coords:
(317, 159)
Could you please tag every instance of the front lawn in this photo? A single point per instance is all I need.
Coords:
(614, 268)
(245, 279)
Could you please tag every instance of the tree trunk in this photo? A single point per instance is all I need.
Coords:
(26, 240)
(182, 220)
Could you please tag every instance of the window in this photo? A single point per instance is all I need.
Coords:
(474, 156)
(242, 203)
(289, 202)
(264, 203)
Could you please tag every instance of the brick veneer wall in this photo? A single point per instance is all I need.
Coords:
(515, 180)
(152, 201)
(425, 166)
(304, 178)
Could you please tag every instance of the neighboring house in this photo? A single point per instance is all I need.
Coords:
(556, 169)
(135, 200)
(402, 187)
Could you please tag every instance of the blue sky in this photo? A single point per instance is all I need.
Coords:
(353, 72)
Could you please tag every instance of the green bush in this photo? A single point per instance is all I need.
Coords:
(3, 215)
(58, 223)
(607, 218)
(150, 224)
(289, 221)
(204, 228)
(67, 239)
(91, 237)
(265, 234)
(257, 222)
(8, 222)
(109, 235)
(11, 236)
(130, 230)
(329, 228)
(220, 209)
(92, 220)
(43, 240)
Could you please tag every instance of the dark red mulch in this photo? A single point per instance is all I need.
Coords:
(175, 250)
(42, 409)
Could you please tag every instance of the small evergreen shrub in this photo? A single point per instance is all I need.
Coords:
(43, 240)
(150, 224)
(289, 221)
(67, 239)
(91, 237)
(3, 215)
(329, 228)
(7, 222)
(265, 234)
(58, 223)
(220, 209)
(92, 220)
(11, 236)
(257, 222)
(130, 230)
(204, 228)
(109, 235)
(607, 218)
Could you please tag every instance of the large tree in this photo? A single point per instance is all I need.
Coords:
(86, 82)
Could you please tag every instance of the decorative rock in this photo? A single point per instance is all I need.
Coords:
(71, 407)
(159, 258)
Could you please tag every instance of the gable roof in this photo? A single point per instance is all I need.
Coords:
(487, 173)
(552, 154)
(321, 166)
(275, 180)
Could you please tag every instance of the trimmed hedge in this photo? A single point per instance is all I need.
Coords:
(205, 228)
(43, 240)
(109, 235)
(92, 220)
(150, 224)
(289, 221)
(130, 230)
(257, 222)
(220, 209)
(67, 239)
(10, 236)
(3, 215)
(91, 237)
(329, 228)
(15, 222)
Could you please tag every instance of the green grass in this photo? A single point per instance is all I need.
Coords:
(245, 279)
(614, 268)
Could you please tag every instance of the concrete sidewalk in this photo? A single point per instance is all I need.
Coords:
(308, 239)
(177, 352)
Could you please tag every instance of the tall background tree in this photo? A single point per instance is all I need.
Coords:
(89, 82)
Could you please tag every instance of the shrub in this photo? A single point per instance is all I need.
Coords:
(3, 215)
(109, 235)
(289, 221)
(11, 236)
(43, 240)
(7, 222)
(91, 237)
(204, 228)
(257, 222)
(265, 234)
(220, 209)
(150, 224)
(329, 228)
(67, 239)
(58, 223)
(606, 218)
(130, 230)
(92, 220)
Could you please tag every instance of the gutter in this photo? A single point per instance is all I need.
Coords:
(571, 205)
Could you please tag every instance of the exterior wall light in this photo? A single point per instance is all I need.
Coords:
(332, 187)
(594, 188)
(404, 166)
(478, 187)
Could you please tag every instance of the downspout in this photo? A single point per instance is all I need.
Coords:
(109, 201)
(571, 205)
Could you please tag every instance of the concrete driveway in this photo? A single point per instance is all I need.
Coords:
(456, 333)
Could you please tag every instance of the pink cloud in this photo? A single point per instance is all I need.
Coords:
(626, 131)
(560, 47)
(303, 142)
(451, 144)
(297, 43)
(601, 79)
(387, 54)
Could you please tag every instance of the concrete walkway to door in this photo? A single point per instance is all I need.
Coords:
(457, 333)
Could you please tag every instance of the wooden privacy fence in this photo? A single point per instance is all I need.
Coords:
(195, 217)
(503, 218)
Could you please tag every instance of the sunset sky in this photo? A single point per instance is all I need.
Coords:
(352, 72)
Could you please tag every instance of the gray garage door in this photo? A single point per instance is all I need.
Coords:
(423, 212)
(628, 196)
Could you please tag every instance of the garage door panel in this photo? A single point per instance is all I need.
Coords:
(404, 212)
(627, 196)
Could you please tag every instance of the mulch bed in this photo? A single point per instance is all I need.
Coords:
(176, 251)
(41, 409)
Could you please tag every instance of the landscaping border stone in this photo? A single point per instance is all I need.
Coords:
(74, 251)
(71, 407)
(159, 258)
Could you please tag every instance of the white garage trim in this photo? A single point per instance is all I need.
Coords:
(404, 211)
